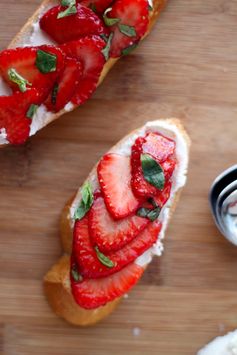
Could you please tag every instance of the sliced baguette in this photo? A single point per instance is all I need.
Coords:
(23, 38)
(57, 282)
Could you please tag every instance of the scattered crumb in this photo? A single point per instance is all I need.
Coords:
(136, 331)
(125, 295)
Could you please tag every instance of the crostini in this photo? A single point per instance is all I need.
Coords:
(116, 222)
(61, 55)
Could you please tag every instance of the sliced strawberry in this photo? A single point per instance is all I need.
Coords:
(69, 28)
(99, 6)
(93, 293)
(65, 86)
(160, 148)
(88, 262)
(114, 173)
(88, 51)
(23, 61)
(111, 235)
(162, 197)
(132, 13)
(13, 111)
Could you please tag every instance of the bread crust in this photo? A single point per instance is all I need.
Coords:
(57, 282)
(26, 31)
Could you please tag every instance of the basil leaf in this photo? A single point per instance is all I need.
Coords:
(109, 21)
(152, 171)
(75, 275)
(18, 79)
(150, 7)
(106, 49)
(129, 49)
(71, 10)
(92, 6)
(54, 94)
(127, 30)
(154, 214)
(68, 2)
(104, 37)
(86, 201)
(32, 110)
(87, 196)
(152, 201)
(151, 214)
(104, 259)
(46, 62)
(142, 212)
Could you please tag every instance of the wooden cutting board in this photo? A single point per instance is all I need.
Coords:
(187, 68)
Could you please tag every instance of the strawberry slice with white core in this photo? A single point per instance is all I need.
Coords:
(114, 173)
(111, 235)
(65, 86)
(133, 23)
(88, 51)
(99, 6)
(31, 67)
(93, 293)
(69, 28)
(88, 256)
(13, 114)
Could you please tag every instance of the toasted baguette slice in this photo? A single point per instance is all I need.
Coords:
(43, 117)
(57, 281)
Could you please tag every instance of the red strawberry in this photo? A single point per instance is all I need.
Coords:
(132, 13)
(23, 61)
(88, 51)
(162, 197)
(98, 5)
(69, 28)
(114, 173)
(93, 293)
(65, 86)
(111, 235)
(13, 110)
(89, 264)
(160, 148)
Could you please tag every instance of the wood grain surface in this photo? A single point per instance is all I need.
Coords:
(186, 68)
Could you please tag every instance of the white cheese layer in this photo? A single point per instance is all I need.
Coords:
(178, 179)
(224, 345)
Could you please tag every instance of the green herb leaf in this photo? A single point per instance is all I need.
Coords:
(104, 259)
(104, 37)
(46, 62)
(127, 30)
(106, 49)
(18, 79)
(54, 94)
(154, 214)
(152, 171)
(151, 214)
(129, 49)
(71, 10)
(75, 275)
(152, 201)
(68, 2)
(92, 6)
(86, 201)
(32, 110)
(150, 7)
(109, 21)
